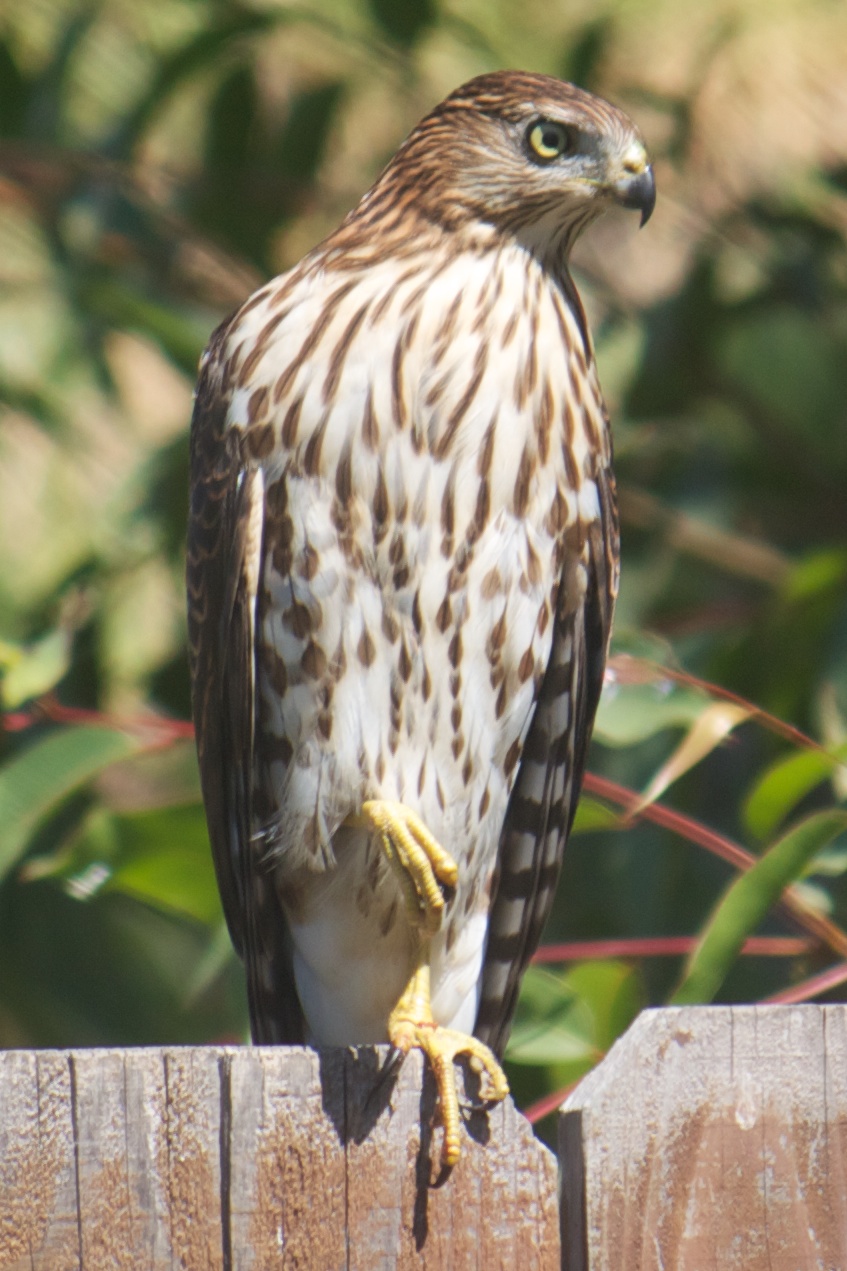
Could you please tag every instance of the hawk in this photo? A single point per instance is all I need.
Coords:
(402, 565)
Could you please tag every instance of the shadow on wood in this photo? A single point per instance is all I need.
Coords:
(232, 1158)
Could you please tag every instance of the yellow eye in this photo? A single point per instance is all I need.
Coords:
(548, 140)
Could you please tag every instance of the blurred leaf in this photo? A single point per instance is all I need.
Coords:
(830, 864)
(33, 783)
(403, 21)
(747, 901)
(219, 954)
(164, 859)
(161, 857)
(630, 713)
(592, 815)
(789, 365)
(584, 55)
(573, 1017)
(14, 93)
(782, 786)
(28, 671)
(552, 1024)
(613, 993)
(712, 727)
(223, 30)
(47, 99)
(302, 143)
(180, 334)
(818, 572)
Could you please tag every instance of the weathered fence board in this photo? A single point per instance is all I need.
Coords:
(240, 1158)
(708, 1138)
(711, 1138)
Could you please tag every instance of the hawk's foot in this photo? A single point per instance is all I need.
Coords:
(411, 1024)
(420, 862)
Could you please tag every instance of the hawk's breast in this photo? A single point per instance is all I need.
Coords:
(421, 509)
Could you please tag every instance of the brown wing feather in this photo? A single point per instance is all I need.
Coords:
(543, 802)
(223, 577)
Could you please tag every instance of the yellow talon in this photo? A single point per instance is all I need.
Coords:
(411, 1024)
(420, 862)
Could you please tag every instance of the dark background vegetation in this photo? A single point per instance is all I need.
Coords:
(160, 157)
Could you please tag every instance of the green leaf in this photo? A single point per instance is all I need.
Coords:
(747, 901)
(36, 781)
(592, 815)
(165, 860)
(788, 363)
(160, 856)
(630, 713)
(30, 670)
(403, 20)
(573, 1017)
(613, 993)
(184, 63)
(552, 1025)
(819, 572)
(784, 784)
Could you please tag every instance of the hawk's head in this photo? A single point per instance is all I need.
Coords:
(530, 155)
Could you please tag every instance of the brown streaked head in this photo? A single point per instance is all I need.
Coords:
(529, 155)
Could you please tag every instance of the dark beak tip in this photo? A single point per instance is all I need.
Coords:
(639, 193)
(649, 200)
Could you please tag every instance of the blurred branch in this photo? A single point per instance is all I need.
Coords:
(733, 553)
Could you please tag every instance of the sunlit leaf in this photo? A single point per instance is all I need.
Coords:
(164, 859)
(712, 727)
(784, 784)
(592, 815)
(552, 1025)
(573, 1016)
(35, 782)
(747, 901)
(30, 670)
(630, 713)
(818, 572)
(613, 992)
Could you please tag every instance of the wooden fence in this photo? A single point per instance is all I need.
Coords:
(708, 1138)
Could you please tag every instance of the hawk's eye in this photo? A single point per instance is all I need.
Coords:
(549, 140)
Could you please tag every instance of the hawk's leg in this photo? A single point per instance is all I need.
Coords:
(411, 1024)
(423, 868)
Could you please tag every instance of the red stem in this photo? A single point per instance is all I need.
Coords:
(828, 979)
(549, 1103)
(665, 947)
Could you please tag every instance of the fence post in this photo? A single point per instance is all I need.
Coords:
(711, 1137)
(237, 1158)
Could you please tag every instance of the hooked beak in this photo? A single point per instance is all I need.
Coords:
(636, 186)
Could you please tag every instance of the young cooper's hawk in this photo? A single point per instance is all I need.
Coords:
(402, 564)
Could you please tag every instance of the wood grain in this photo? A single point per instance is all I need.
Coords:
(256, 1158)
(711, 1137)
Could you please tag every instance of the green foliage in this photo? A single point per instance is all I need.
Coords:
(748, 900)
(37, 779)
(158, 160)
